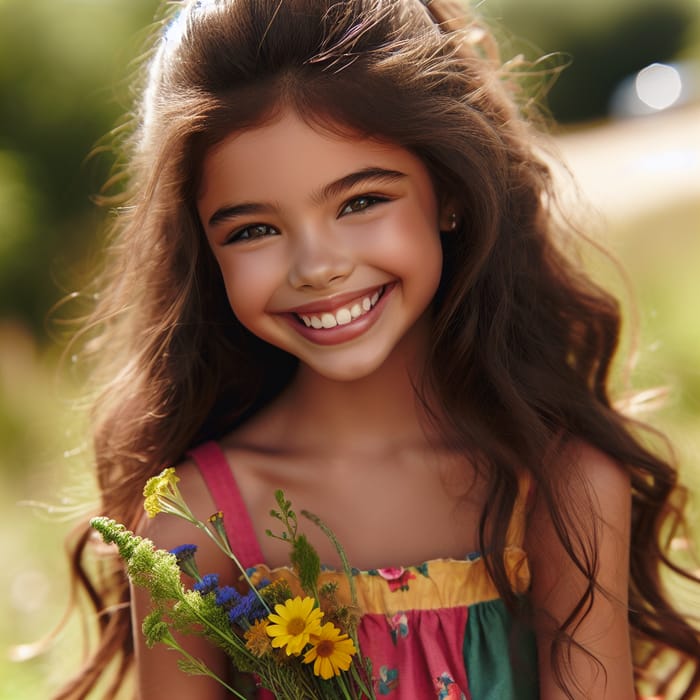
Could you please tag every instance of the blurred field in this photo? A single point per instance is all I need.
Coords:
(652, 213)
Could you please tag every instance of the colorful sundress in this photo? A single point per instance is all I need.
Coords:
(437, 630)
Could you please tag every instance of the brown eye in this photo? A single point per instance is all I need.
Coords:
(361, 203)
(251, 233)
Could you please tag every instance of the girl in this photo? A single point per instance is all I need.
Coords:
(334, 272)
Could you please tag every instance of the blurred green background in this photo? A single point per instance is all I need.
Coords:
(64, 85)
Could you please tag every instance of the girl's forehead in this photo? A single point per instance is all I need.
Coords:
(290, 160)
(291, 144)
(279, 132)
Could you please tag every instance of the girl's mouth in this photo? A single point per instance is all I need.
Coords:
(343, 315)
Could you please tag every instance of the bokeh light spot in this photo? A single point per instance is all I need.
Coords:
(659, 85)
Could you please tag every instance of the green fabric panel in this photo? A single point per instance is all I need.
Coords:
(500, 656)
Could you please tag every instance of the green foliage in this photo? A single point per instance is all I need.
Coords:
(286, 516)
(155, 629)
(63, 69)
(306, 562)
(304, 557)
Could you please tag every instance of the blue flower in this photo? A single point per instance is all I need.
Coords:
(227, 597)
(184, 554)
(247, 610)
(208, 584)
(184, 550)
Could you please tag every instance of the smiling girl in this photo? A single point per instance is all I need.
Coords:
(334, 272)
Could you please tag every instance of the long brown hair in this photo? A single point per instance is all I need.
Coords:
(523, 341)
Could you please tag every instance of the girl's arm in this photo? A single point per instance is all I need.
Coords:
(557, 586)
(157, 674)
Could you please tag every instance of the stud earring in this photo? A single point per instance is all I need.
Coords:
(453, 221)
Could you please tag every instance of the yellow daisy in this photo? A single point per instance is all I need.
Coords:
(331, 652)
(296, 620)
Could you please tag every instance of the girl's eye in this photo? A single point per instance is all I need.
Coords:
(361, 203)
(251, 233)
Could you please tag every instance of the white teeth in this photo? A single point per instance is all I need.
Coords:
(328, 321)
(342, 316)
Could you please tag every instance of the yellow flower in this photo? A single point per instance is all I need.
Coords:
(331, 653)
(159, 485)
(257, 639)
(152, 506)
(159, 488)
(296, 620)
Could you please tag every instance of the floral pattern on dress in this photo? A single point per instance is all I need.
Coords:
(447, 689)
(398, 577)
(388, 680)
(399, 626)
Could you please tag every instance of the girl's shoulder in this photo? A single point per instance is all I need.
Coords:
(597, 489)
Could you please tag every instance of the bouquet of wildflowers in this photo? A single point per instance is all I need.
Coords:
(296, 637)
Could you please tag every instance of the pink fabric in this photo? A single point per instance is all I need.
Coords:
(222, 485)
(419, 654)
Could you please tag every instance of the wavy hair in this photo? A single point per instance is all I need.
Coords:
(522, 343)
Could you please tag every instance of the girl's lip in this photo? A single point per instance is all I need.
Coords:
(335, 302)
(341, 334)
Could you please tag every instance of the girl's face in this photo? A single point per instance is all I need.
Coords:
(329, 247)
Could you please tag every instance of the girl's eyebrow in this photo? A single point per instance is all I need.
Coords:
(366, 175)
(231, 211)
(329, 191)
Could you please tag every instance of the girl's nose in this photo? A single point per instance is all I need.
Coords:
(318, 262)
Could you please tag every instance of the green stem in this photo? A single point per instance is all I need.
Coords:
(361, 684)
(172, 643)
(344, 688)
(223, 546)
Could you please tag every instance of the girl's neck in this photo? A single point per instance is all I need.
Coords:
(377, 413)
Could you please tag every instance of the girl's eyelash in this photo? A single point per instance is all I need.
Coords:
(363, 202)
(255, 231)
(250, 233)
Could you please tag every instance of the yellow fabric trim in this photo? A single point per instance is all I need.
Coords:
(449, 583)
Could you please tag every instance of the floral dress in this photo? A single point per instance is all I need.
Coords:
(437, 630)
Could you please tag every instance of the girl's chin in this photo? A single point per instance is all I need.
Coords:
(339, 371)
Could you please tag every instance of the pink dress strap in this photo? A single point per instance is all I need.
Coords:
(220, 481)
